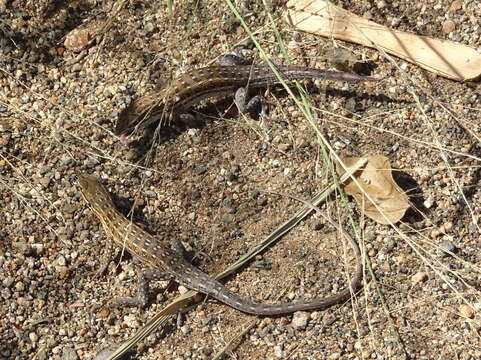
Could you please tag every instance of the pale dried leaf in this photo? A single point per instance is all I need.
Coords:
(375, 179)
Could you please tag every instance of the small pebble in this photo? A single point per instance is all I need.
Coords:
(182, 289)
(69, 353)
(77, 39)
(381, 4)
(428, 203)
(456, 5)
(19, 286)
(104, 313)
(419, 277)
(278, 351)
(317, 225)
(33, 337)
(447, 247)
(358, 345)
(185, 329)
(466, 311)
(61, 261)
(300, 319)
(446, 227)
(448, 26)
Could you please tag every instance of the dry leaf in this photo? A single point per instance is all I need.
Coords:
(375, 180)
(446, 58)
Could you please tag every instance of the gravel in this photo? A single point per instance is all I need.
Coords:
(59, 103)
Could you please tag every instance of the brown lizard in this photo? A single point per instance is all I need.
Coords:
(213, 82)
(159, 255)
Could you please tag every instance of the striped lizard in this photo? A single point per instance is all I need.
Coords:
(194, 86)
(159, 255)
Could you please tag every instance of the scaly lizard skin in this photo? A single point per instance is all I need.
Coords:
(213, 82)
(159, 255)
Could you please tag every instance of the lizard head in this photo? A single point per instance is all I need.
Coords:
(93, 191)
(138, 115)
(127, 123)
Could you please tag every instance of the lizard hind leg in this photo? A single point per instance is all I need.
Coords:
(234, 58)
(256, 106)
(143, 292)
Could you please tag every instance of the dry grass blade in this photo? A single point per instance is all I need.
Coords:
(235, 340)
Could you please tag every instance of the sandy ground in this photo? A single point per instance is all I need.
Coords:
(57, 112)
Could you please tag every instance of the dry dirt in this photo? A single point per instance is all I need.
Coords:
(199, 185)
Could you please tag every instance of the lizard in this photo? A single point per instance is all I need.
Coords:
(194, 86)
(158, 255)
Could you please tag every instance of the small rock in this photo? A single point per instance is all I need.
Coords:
(299, 320)
(104, 313)
(7, 281)
(105, 353)
(19, 286)
(205, 329)
(61, 261)
(339, 144)
(446, 227)
(317, 225)
(6, 294)
(381, 4)
(131, 321)
(228, 219)
(419, 277)
(62, 271)
(33, 337)
(69, 353)
(149, 27)
(193, 132)
(206, 351)
(22, 247)
(448, 26)
(185, 329)
(447, 247)
(77, 39)
(428, 203)
(358, 345)
(183, 290)
(151, 194)
(278, 351)
(456, 5)
(200, 170)
(466, 311)
(42, 354)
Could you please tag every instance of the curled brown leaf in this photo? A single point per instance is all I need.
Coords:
(375, 182)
